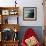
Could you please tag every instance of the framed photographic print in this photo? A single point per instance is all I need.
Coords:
(30, 13)
(5, 12)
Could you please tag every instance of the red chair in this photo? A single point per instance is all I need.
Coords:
(29, 33)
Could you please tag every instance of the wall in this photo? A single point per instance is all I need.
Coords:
(27, 3)
(7, 3)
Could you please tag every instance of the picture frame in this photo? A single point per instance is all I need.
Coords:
(30, 13)
(5, 12)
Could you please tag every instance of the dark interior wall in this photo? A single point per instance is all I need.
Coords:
(37, 29)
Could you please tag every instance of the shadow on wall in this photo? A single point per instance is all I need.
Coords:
(37, 29)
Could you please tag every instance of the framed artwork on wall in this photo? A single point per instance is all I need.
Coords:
(5, 12)
(29, 13)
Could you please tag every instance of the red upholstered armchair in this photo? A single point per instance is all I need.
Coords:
(30, 38)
